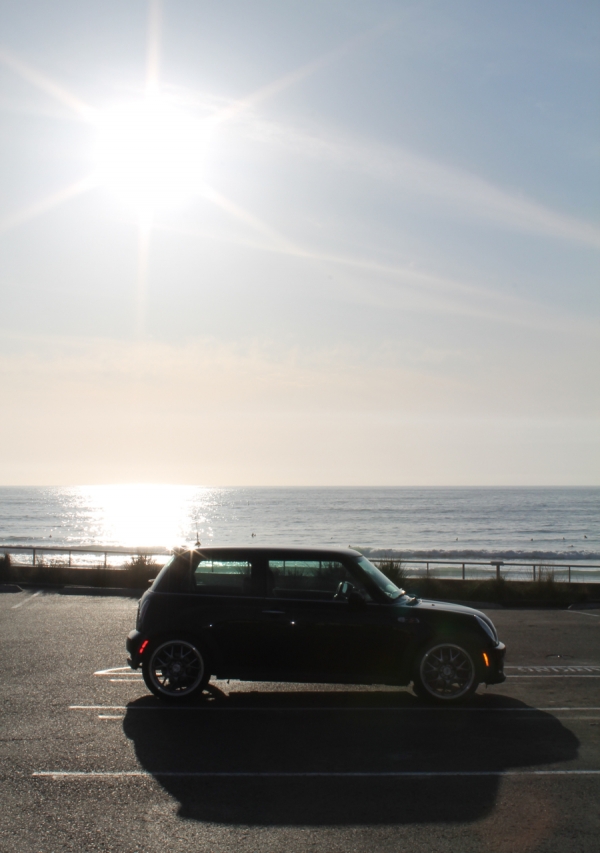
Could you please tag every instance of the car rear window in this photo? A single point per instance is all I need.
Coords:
(223, 577)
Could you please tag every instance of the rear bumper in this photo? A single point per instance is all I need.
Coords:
(494, 673)
(132, 644)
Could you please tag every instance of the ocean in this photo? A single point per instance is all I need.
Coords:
(550, 524)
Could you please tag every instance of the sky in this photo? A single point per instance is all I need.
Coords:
(284, 243)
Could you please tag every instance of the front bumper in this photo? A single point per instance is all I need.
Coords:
(494, 673)
(132, 644)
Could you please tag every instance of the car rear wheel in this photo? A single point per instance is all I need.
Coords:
(445, 672)
(175, 670)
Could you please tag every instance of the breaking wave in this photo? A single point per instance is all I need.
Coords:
(517, 556)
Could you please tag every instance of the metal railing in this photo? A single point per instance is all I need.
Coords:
(482, 570)
(110, 558)
(86, 557)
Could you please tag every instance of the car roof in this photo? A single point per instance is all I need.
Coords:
(299, 551)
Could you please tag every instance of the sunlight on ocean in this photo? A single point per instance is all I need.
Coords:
(511, 523)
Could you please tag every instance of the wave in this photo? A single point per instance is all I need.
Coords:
(568, 557)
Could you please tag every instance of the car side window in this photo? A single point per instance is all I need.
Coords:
(309, 579)
(223, 577)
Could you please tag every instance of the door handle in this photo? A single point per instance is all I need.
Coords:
(273, 612)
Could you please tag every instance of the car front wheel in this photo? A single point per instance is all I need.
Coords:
(445, 672)
(175, 670)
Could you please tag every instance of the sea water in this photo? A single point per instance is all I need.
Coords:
(546, 524)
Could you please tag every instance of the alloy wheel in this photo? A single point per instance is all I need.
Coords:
(447, 672)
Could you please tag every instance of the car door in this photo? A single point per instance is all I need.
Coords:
(327, 626)
(229, 597)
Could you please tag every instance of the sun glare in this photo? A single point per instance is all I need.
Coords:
(150, 153)
(139, 515)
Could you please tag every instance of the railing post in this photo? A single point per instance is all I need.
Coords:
(497, 564)
(33, 562)
(463, 571)
(569, 574)
(427, 570)
(105, 559)
(70, 555)
(534, 572)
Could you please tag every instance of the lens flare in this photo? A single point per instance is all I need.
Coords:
(150, 153)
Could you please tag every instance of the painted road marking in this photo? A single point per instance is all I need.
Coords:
(26, 601)
(310, 774)
(125, 680)
(420, 709)
(572, 668)
(118, 671)
(585, 613)
(111, 717)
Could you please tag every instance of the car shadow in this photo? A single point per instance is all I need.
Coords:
(347, 731)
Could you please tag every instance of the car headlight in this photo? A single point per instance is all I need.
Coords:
(489, 629)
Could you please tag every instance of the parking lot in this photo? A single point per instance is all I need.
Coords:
(90, 761)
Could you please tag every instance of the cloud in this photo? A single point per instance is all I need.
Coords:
(457, 190)
(369, 281)
(291, 78)
(209, 374)
(108, 411)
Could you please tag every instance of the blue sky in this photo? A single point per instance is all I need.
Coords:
(357, 243)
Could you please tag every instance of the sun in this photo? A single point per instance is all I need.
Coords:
(150, 153)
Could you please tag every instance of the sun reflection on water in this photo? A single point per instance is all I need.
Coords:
(143, 515)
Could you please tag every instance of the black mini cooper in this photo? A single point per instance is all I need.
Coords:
(304, 615)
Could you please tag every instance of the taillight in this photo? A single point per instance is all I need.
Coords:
(486, 659)
(142, 647)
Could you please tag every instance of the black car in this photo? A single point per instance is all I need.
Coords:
(304, 615)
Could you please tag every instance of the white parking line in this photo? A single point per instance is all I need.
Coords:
(310, 774)
(27, 600)
(556, 668)
(419, 710)
(115, 670)
(585, 613)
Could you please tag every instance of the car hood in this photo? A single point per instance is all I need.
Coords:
(426, 604)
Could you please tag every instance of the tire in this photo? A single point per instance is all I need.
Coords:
(175, 669)
(445, 672)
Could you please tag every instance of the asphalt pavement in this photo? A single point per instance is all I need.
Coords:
(91, 761)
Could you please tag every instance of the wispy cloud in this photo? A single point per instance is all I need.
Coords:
(291, 78)
(389, 285)
(459, 191)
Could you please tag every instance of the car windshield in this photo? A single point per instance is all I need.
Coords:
(384, 584)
